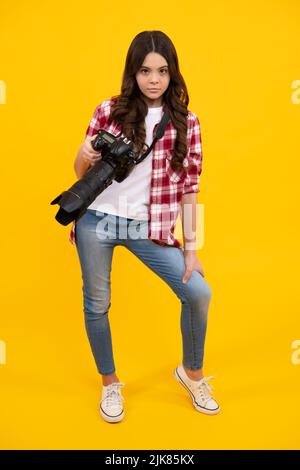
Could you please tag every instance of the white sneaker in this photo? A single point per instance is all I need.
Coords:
(199, 391)
(111, 405)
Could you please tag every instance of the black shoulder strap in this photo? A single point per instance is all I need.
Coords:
(158, 135)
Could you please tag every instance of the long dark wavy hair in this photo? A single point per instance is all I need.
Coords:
(129, 107)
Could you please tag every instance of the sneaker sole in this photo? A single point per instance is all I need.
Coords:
(111, 419)
(198, 407)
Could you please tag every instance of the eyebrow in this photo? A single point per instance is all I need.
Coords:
(162, 67)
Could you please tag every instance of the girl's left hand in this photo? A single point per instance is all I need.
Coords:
(192, 264)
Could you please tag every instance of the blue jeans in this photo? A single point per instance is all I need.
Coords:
(96, 235)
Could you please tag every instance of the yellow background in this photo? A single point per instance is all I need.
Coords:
(59, 60)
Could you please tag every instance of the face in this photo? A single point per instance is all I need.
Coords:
(153, 74)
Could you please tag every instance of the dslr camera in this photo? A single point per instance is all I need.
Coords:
(117, 162)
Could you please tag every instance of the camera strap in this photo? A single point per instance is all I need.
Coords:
(158, 135)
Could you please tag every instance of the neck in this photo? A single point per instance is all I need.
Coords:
(153, 103)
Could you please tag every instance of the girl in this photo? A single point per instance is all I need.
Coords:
(140, 213)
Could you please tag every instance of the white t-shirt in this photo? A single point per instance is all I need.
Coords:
(131, 197)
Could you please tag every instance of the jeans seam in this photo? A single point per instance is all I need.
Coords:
(192, 335)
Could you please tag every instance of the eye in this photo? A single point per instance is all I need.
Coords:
(163, 71)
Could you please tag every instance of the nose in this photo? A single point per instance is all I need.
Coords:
(153, 80)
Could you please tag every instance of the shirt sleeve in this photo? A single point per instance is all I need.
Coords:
(99, 118)
(194, 157)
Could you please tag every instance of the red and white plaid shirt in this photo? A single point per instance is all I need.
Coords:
(167, 186)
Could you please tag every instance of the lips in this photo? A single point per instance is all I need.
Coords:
(153, 89)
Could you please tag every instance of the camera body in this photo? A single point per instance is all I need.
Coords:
(118, 149)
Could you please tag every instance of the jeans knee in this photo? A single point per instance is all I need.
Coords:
(199, 292)
(96, 308)
(207, 292)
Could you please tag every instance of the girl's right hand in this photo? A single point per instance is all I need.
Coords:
(88, 153)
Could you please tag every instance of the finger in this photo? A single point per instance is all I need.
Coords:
(91, 137)
(90, 159)
(201, 272)
(186, 275)
(93, 154)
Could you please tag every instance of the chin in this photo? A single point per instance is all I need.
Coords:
(156, 97)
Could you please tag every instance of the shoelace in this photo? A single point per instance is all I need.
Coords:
(204, 388)
(112, 393)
